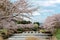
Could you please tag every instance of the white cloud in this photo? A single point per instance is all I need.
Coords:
(27, 19)
(46, 3)
(42, 11)
(35, 13)
(47, 10)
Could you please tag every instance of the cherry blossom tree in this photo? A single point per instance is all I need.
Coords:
(9, 10)
(52, 23)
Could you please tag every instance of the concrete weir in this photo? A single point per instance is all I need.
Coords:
(24, 35)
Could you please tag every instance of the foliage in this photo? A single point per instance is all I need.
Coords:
(57, 34)
(35, 28)
(4, 31)
(19, 30)
(37, 23)
(23, 22)
(42, 30)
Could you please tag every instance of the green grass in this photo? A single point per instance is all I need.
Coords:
(58, 34)
(3, 31)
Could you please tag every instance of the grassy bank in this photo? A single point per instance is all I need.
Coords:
(58, 34)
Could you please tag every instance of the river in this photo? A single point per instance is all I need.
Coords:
(23, 36)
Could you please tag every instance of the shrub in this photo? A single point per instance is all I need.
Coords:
(20, 30)
(35, 28)
(4, 33)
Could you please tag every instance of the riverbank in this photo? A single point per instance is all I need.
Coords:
(1, 38)
(54, 38)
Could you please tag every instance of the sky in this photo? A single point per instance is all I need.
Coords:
(46, 8)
